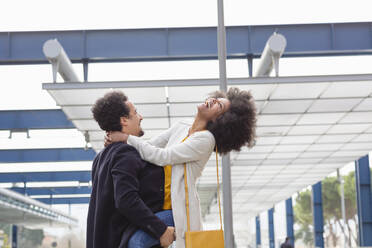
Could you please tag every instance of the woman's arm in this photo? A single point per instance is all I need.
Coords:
(160, 140)
(194, 148)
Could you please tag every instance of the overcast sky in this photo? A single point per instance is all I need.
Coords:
(83, 14)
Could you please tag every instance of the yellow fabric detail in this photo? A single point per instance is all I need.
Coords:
(167, 187)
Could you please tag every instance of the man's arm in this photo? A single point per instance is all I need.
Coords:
(94, 166)
(125, 173)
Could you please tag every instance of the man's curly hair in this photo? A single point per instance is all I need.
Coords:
(237, 126)
(108, 109)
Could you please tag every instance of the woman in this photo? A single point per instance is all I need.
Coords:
(226, 121)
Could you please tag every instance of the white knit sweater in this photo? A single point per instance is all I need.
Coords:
(168, 148)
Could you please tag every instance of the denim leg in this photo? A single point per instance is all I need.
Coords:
(141, 239)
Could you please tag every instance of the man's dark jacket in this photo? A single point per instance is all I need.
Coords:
(126, 192)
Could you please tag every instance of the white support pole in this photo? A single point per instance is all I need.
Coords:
(226, 170)
(273, 50)
(57, 56)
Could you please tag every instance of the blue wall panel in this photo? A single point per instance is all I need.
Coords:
(46, 155)
(34, 119)
(258, 231)
(14, 236)
(318, 215)
(364, 201)
(186, 43)
(77, 200)
(54, 191)
(271, 228)
(81, 176)
(290, 220)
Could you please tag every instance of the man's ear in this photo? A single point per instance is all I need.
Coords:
(124, 121)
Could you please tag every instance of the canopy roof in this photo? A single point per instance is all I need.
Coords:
(19, 209)
(307, 127)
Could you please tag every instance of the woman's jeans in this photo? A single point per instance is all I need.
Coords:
(141, 239)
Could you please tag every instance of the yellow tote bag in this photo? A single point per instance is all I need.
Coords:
(203, 239)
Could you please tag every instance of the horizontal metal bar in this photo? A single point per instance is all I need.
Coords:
(295, 144)
(208, 82)
(310, 125)
(324, 134)
(46, 155)
(241, 162)
(34, 119)
(287, 135)
(53, 190)
(137, 104)
(72, 200)
(249, 187)
(194, 43)
(15, 200)
(263, 114)
(60, 176)
(152, 129)
(193, 58)
(304, 152)
(73, 105)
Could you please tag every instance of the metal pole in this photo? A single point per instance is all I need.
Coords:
(226, 170)
(258, 232)
(318, 221)
(85, 69)
(69, 227)
(289, 218)
(364, 200)
(342, 205)
(222, 47)
(227, 201)
(270, 214)
(14, 236)
(250, 66)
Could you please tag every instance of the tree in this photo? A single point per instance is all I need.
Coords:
(30, 237)
(350, 204)
(331, 207)
(331, 197)
(303, 217)
(6, 229)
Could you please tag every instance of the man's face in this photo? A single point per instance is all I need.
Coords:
(132, 124)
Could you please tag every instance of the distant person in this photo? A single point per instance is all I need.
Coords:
(286, 244)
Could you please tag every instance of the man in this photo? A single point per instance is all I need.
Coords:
(126, 191)
(286, 244)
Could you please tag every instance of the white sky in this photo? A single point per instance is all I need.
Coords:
(83, 14)
(20, 86)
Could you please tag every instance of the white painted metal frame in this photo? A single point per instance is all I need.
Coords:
(307, 128)
(17, 208)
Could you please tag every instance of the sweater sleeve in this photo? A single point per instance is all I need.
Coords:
(125, 171)
(194, 148)
(162, 139)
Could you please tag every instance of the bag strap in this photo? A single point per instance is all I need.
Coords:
(218, 190)
(187, 192)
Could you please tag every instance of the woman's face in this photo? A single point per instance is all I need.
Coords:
(213, 107)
